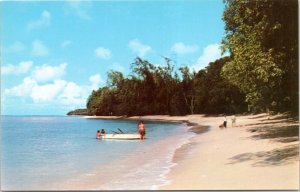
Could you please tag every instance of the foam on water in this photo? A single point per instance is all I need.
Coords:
(157, 164)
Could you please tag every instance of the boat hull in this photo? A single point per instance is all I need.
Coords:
(121, 136)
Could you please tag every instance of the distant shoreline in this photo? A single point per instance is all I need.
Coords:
(135, 118)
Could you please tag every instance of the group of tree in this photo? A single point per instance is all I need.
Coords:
(161, 90)
(78, 112)
(262, 38)
(261, 73)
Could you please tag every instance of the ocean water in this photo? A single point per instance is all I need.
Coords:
(61, 153)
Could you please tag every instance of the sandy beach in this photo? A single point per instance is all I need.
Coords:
(260, 152)
(245, 157)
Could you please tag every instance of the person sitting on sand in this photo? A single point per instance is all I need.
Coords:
(142, 130)
(224, 124)
(225, 121)
(98, 135)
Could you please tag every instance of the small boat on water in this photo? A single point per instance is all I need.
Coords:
(121, 136)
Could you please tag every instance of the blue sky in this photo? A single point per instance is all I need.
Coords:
(55, 53)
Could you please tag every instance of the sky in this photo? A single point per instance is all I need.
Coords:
(54, 53)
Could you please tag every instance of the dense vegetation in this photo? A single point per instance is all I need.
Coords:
(261, 73)
(78, 112)
(262, 38)
(159, 90)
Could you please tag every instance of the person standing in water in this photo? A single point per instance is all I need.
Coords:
(142, 130)
(98, 135)
(102, 132)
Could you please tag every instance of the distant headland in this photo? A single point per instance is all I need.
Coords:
(78, 112)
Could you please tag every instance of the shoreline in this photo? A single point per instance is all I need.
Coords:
(113, 175)
(245, 157)
(158, 118)
(233, 156)
(230, 159)
(179, 152)
(193, 127)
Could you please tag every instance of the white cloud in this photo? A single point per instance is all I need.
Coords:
(74, 94)
(47, 92)
(56, 92)
(39, 49)
(95, 80)
(22, 90)
(47, 73)
(66, 44)
(44, 20)
(210, 53)
(103, 53)
(52, 89)
(22, 68)
(139, 48)
(72, 90)
(16, 47)
(80, 9)
(181, 48)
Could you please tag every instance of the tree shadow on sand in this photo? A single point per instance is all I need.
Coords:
(280, 133)
(284, 131)
(258, 116)
(265, 123)
(274, 157)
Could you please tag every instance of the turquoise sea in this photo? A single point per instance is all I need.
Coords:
(61, 153)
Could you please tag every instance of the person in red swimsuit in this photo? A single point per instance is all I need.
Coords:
(142, 130)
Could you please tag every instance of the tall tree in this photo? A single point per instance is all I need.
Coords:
(101, 102)
(188, 88)
(151, 90)
(115, 79)
(262, 37)
(221, 96)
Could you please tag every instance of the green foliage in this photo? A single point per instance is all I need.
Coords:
(262, 37)
(262, 70)
(115, 79)
(152, 90)
(214, 94)
(188, 88)
(78, 112)
(101, 102)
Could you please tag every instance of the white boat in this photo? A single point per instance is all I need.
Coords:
(121, 136)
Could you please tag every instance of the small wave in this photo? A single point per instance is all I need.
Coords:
(162, 177)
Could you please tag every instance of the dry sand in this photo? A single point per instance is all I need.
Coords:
(259, 153)
(237, 158)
